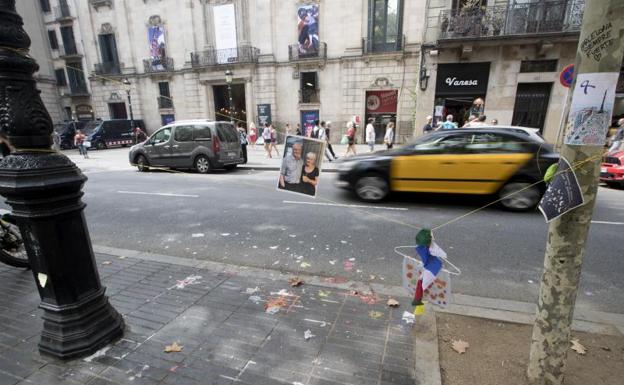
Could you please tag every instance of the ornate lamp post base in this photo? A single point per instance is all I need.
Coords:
(44, 190)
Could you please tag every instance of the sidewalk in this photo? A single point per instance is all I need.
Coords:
(233, 329)
(257, 159)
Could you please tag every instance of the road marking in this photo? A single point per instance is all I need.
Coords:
(159, 194)
(345, 205)
(608, 223)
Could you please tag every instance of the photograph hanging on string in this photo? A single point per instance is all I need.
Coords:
(300, 171)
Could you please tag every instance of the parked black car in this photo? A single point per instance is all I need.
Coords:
(66, 132)
(103, 134)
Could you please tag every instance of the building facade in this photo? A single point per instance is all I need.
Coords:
(293, 61)
(507, 54)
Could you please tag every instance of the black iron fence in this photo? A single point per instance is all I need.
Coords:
(389, 43)
(512, 19)
(299, 52)
(164, 102)
(211, 57)
(161, 64)
(309, 95)
(78, 89)
(107, 68)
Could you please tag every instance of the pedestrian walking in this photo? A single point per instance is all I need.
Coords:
(351, 130)
(298, 131)
(618, 137)
(266, 138)
(370, 134)
(79, 141)
(428, 127)
(139, 135)
(315, 130)
(322, 135)
(288, 129)
(389, 137)
(449, 124)
(273, 140)
(328, 141)
(242, 135)
(253, 135)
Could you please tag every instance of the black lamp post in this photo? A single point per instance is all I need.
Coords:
(128, 88)
(43, 187)
(228, 79)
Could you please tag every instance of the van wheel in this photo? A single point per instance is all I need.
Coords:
(100, 146)
(519, 195)
(371, 188)
(202, 164)
(142, 164)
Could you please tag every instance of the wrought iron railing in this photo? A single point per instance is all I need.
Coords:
(162, 64)
(393, 43)
(309, 95)
(164, 102)
(211, 57)
(297, 52)
(78, 89)
(62, 12)
(107, 68)
(70, 51)
(512, 19)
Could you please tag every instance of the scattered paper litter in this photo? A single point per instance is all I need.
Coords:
(304, 265)
(190, 280)
(375, 314)
(255, 299)
(198, 235)
(323, 293)
(577, 347)
(273, 247)
(292, 235)
(343, 242)
(460, 346)
(295, 281)
(352, 259)
(332, 262)
(276, 262)
(408, 317)
(42, 278)
(252, 290)
(225, 234)
(308, 334)
(106, 263)
(393, 302)
(173, 348)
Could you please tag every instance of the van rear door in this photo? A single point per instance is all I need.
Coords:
(230, 142)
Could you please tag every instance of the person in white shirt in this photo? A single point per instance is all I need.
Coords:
(389, 137)
(370, 134)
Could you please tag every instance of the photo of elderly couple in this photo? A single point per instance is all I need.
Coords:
(301, 165)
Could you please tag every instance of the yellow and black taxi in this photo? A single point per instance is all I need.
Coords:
(460, 161)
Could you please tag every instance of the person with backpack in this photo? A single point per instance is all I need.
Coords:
(449, 124)
(242, 135)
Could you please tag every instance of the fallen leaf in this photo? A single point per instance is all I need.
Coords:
(121, 257)
(605, 348)
(323, 293)
(173, 348)
(295, 281)
(577, 347)
(460, 346)
(393, 302)
(106, 263)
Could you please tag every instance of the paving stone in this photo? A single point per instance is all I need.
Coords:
(6, 379)
(356, 376)
(133, 368)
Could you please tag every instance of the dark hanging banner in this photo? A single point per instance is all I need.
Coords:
(462, 79)
(264, 114)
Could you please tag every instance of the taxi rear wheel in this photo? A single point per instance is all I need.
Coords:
(371, 188)
(519, 195)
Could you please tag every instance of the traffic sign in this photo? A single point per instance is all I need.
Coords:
(566, 77)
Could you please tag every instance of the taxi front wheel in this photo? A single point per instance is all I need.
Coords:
(371, 188)
(519, 195)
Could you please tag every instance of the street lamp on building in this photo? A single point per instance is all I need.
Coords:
(128, 88)
(228, 79)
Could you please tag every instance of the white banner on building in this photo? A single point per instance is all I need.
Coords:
(225, 33)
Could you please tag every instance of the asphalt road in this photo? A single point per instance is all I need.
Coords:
(239, 217)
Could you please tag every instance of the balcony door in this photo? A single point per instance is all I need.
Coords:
(108, 49)
(69, 43)
(385, 23)
(531, 105)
